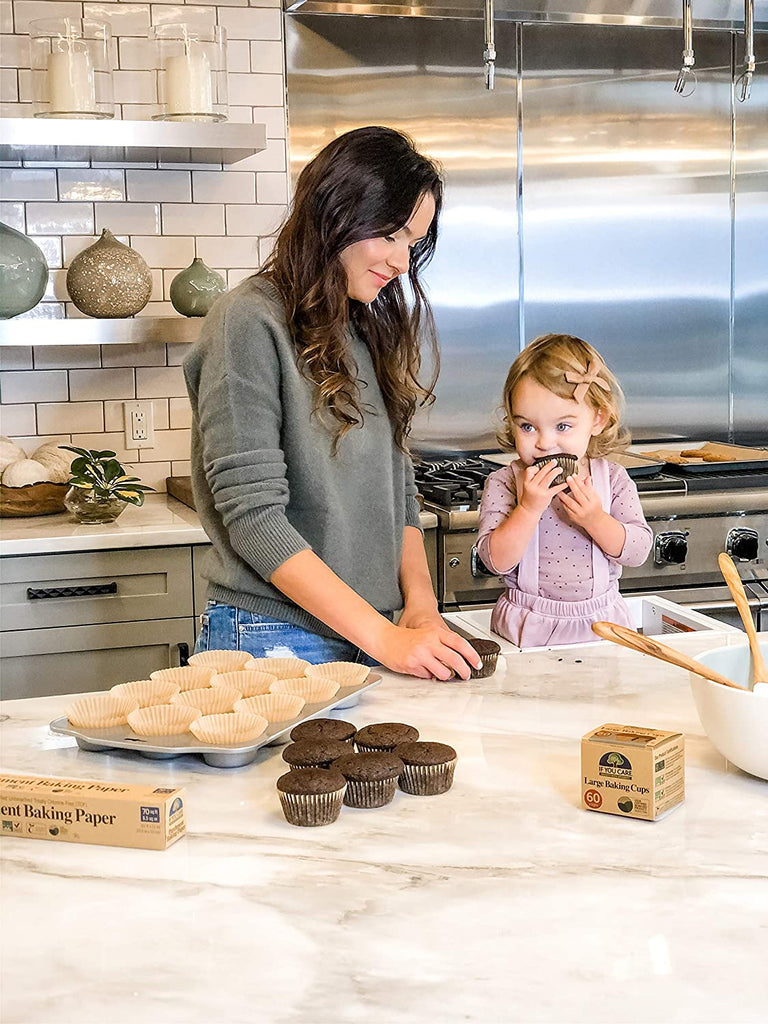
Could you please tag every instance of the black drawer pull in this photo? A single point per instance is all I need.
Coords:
(93, 590)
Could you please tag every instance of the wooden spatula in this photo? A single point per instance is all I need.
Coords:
(736, 587)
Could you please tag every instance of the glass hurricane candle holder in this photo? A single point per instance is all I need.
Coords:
(191, 72)
(71, 68)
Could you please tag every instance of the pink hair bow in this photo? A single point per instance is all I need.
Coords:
(583, 381)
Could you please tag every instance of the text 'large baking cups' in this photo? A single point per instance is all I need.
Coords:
(210, 700)
(162, 720)
(312, 690)
(283, 668)
(346, 673)
(101, 711)
(147, 692)
(237, 727)
(275, 707)
(189, 677)
(221, 661)
(250, 684)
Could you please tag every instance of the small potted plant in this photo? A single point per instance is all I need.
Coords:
(100, 488)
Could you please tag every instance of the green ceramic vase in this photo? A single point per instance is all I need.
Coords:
(23, 273)
(194, 290)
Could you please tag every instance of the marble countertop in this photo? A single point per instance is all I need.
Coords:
(499, 901)
(161, 521)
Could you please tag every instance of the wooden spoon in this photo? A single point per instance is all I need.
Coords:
(625, 637)
(736, 587)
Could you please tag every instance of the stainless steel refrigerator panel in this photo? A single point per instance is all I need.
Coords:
(425, 77)
(626, 214)
(750, 336)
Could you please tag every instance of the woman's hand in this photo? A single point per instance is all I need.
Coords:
(431, 651)
(583, 504)
(537, 489)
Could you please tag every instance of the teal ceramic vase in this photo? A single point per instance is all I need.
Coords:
(194, 290)
(23, 273)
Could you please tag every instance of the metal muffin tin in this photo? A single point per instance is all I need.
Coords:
(121, 737)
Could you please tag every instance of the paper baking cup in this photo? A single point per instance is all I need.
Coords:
(250, 684)
(346, 673)
(311, 808)
(374, 793)
(211, 700)
(189, 677)
(312, 690)
(221, 661)
(146, 692)
(235, 727)
(275, 707)
(283, 668)
(162, 720)
(427, 779)
(101, 711)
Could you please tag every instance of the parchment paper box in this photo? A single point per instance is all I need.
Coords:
(86, 811)
(633, 771)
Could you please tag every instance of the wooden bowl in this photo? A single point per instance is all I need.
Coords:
(43, 499)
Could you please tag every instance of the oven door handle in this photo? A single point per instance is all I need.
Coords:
(722, 606)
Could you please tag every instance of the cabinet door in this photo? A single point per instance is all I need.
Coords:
(79, 659)
(199, 582)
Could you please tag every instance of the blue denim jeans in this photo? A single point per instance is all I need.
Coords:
(232, 629)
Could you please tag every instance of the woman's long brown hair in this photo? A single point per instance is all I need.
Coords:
(364, 184)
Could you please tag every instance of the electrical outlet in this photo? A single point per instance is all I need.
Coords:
(139, 426)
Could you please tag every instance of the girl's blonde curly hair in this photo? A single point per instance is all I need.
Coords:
(548, 360)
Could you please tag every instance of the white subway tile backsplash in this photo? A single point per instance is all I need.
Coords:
(59, 218)
(138, 111)
(134, 86)
(18, 386)
(271, 158)
(234, 277)
(254, 220)
(70, 416)
(150, 353)
(169, 445)
(181, 413)
(25, 11)
(252, 23)
(57, 286)
(266, 245)
(238, 55)
(89, 184)
(20, 419)
(16, 357)
(114, 415)
(195, 16)
(125, 19)
(12, 214)
(44, 311)
(6, 17)
(101, 384)
(66, 357)
(9, 85)
(229, 252)
(14, 50)
(128, 218)
(135, 54)
(181, 468)
(241, 115)
(223, 186)
(197, 218)
(27, 183)
(160, 382)
(266, 57)
(157, 309)
(274, 120)
(32, 442)
(162, 251)
(256, 90)
(271, 188)
(158, 186)
(151, 473)
(51, 249)
(113, 442)
(177, 353)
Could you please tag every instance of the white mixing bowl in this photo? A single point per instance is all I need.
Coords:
(735, 721)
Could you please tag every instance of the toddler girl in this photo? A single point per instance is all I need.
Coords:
(559, 547)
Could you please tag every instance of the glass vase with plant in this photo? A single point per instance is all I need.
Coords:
(100, 488)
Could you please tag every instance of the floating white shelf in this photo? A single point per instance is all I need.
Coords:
(73, 139)
(132, 331)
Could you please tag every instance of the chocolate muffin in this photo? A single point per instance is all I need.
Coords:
(371, 778)
(311, 797)
(384, 736)
(489, 652)
(314, 753)
(324, 729)
(427, 767)
(569, 465)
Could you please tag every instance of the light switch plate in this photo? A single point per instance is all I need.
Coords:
(139, 425)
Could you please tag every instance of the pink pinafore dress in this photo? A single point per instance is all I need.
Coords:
(529, 620)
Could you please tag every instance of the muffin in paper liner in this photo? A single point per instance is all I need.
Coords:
(313, 799)
(569, 465)
(283, 668)
(250, 684)
(489, 652)
(312, 690)
(101, 711)
(147, 692)
(234, 727)
(346, 673)
(428, 767)
(275, 707)
(221, 661)
(189, 677)
(210, 700)
(384, 736)
(370, 794)
(162, 720)
(371, 778)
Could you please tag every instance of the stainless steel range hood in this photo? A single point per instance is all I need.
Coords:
(707, 13)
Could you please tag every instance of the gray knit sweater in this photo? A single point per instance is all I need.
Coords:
(265, 482)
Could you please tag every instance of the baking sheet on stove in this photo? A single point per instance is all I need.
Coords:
(122, 737)
(732, 457)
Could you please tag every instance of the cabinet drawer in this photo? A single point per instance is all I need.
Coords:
(79, 659)
(40, 591)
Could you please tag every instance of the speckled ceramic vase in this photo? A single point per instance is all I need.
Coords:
(23, 273)
(194, 290)
(109, 280)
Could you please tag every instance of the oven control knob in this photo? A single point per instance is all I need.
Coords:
(454, 562)
(742, 544)
(671, 548)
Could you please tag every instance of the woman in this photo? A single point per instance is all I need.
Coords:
(303, 386)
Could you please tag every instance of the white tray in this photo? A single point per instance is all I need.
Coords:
(122, 737)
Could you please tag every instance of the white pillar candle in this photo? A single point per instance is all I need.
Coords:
(188, 84)
(71, 83)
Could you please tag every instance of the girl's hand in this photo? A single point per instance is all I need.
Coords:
(538, 491)
(583, 503)
(429, 652)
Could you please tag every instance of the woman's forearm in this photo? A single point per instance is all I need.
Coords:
(415, 580)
